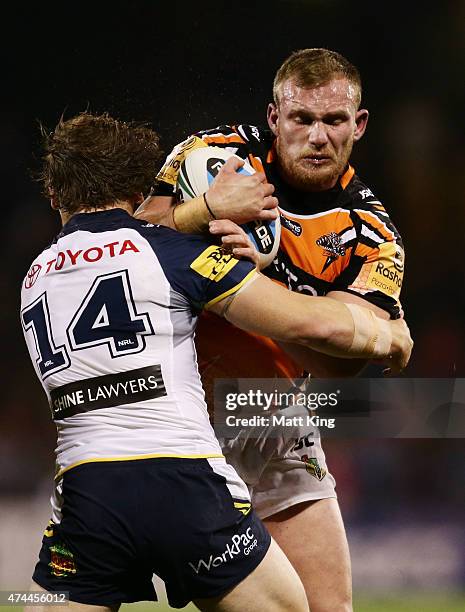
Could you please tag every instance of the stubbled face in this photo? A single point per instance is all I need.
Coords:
(315, 129)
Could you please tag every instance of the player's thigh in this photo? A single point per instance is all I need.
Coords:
(71, 605)
(313, 537)
(273, 586)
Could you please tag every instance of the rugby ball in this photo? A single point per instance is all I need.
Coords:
(196, 173)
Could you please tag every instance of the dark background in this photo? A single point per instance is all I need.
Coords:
(187, 66)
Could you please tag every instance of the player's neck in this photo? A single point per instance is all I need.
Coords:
(123, 204)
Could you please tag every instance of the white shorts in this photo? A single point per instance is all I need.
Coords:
(280, 471)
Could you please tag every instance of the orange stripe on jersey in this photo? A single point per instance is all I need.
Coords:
(223, 139)
(375, 222)
(347, 177)
(271, 154)
(363, 250)
(304, 250)
(256, 163)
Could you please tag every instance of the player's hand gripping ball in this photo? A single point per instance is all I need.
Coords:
(198, 171)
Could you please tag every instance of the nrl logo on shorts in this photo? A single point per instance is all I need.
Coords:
(313, 467)
(333, 247)
(62, 563)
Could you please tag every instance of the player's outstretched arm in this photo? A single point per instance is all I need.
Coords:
(326, 366)
(322, 323)
(232, 196)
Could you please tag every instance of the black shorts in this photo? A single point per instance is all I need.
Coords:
(123, 521)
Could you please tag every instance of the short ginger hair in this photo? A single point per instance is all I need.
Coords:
(314, 67)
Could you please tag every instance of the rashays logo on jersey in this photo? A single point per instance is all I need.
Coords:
(333, 247)
(387, 273)
(241, 544)
(291, 225)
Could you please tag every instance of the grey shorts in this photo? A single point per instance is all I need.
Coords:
(280, 470)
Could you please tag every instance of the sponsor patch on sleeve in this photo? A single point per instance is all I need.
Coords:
(387, 272)
(170, 169)
(213, 263)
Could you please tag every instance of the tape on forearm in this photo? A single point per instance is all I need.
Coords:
(372, 335)
(192, 217)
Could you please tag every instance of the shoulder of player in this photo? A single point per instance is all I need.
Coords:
(244, 131)
(368, 213)
(164, 239)
(243, 139)
(358, 195)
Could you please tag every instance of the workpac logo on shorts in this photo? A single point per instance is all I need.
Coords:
(241, 544)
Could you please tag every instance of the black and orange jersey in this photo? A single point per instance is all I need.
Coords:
(341, 239)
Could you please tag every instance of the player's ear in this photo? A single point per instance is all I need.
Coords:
(361, 120)
(138, 199)
(54, 203)
(272, 115)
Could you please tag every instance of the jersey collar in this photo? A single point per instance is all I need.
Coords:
(92, 219)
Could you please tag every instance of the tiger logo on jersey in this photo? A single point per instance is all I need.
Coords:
(332, 244)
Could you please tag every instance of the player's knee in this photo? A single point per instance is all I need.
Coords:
(299, 601)
(288, 600)
(332, 608)
(283, 585)
(342, 603)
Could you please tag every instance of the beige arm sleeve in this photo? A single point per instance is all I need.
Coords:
(372, 335)
(192, 217)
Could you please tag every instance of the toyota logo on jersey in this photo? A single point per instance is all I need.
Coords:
(32, 275)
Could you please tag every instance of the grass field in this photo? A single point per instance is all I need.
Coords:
(408, 603)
